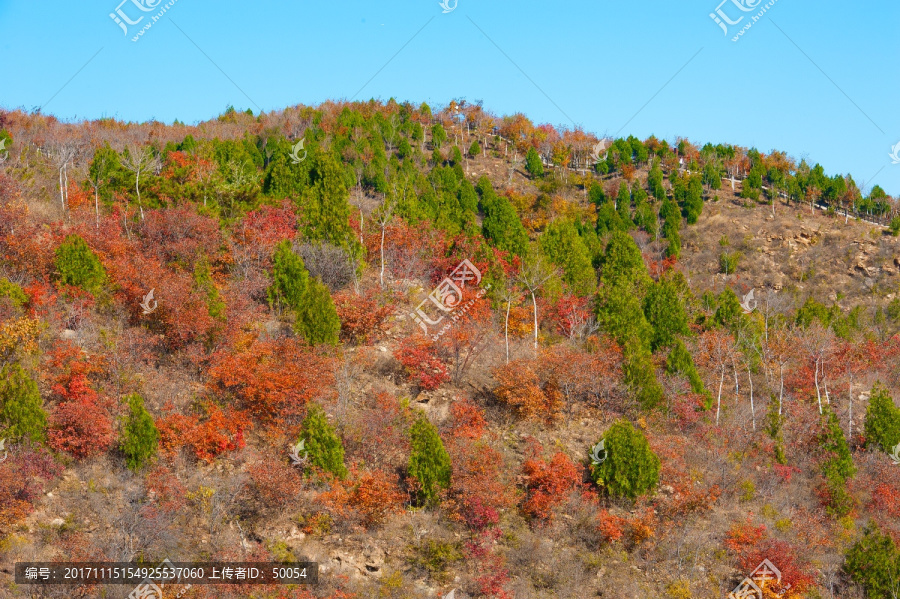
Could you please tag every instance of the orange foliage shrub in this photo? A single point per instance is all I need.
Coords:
(370, 495)
(207, 436)
(22, 477)
(362, 319)
(273, 380)
(547, 484)
(520, 387)
(168, 494)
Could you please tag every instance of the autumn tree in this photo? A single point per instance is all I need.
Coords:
(429, 463)
(631, 468)
(21, 414)
(322, 443)
(139, 438)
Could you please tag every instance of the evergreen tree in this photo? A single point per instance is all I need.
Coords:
(608, 220)
(326, 207)
(882, 427)
(874, 562)
(204, 282)
(837, 467)
(630, 468)
(21, 414)
(640, 375)
(729, 314)
(501, 225)
(533, 163)
(321, 442)
(623, 262)
(623, 205)
(140, 438)
(680, 362)
(77, 265)
(317, 318)
(429, 462)
(438, 136)
(564, 247)
(474, 149)
(289, 277)
(655, 182)
(14, 293)
(666, 314)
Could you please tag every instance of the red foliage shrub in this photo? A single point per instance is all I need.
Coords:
(520, 387)
(547, 484)
(80, 423)
(362, 319)
(479, 489)
(376, 432)
(180, 236)
(370, 495)
(22, 478)
(419, 356)
(743, 536)
(466, 420)
(276, 482)
(796, 572)
(273, 380)
(610, 526)
(886, 497)
(207, 436)
(166, 491)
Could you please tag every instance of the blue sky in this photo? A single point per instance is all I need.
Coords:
(818, 80)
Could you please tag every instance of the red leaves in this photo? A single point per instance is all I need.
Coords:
(273, 380)
(467, 420)
(547, 484)
(419, 356)
(207, 435)
(22, 478)
(372, 495)
(362, 318)
(276, 482)
(80, 423)
(519, 386)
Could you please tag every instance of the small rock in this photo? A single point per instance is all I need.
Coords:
(57, 522)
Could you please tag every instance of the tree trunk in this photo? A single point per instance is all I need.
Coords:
(506, 329)
(381, 276)
(818, 393)
(719, 398)
(97, 205)
(752, 407)
(534, 303)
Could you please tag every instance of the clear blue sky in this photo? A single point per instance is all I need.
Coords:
(818, 80)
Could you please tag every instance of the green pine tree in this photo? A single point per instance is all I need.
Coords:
(14, 293)
(204, 282)
(837, 467)
(874, 562)
(289, 278)
(21, 414)
(77, 265)
(140, 439)
(326, 213)
(630, 469)
(474, 149)
(882, 427)
(501, 225)
(429, 462)
(533, 163)
(321, 442)
(680, 362)
(666, 314)
(564, 247)
(317, 318)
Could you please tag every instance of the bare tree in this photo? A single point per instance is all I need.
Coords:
(140, 160)
(62, 153)
(534, 274)
(383, 217)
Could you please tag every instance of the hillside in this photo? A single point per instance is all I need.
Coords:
(390, 339)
